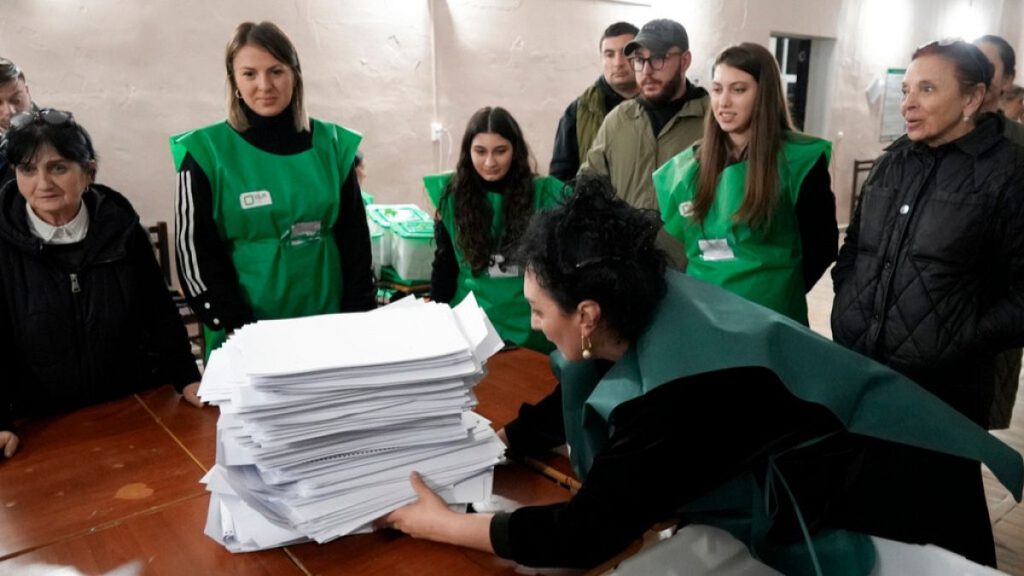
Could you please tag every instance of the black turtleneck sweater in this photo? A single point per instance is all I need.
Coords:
(444, 277)
(218, 302)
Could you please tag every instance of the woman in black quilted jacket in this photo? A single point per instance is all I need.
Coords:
(930, 279)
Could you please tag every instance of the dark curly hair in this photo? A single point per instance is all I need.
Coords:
(473, 214)
(597, 247)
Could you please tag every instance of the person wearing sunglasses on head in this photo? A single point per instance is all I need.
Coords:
(270, 221)
(14, 98)
(85, 315)
(752, 202)
(930, 278)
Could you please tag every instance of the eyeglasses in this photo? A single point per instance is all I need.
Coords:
(50, 116)
(655, 62)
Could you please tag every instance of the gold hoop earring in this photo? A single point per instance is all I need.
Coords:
(587, 348)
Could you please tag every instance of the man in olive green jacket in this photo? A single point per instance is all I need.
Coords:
(583, 117)
(640, 135)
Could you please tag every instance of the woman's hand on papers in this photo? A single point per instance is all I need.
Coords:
(191, 395)
(8, 443)
(430, 518)
(419, 519)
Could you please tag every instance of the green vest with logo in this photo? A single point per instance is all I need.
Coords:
(501, 297)
(275, 215)
(699, 328)
(762, 265)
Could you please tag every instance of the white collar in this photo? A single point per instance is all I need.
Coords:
(73, 231)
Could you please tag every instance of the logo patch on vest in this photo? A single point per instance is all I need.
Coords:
(686, 209)
(255, 199)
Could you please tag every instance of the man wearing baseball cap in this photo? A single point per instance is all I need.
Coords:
(641, 134)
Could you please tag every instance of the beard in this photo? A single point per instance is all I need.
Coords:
(664, 96)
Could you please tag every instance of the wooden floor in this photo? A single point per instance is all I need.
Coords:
(1007, 515)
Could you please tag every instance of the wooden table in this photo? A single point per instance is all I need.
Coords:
(116, 486)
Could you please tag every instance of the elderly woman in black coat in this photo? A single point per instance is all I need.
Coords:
(85, 315)
(930, 280)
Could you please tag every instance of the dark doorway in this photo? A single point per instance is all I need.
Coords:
(794, 57)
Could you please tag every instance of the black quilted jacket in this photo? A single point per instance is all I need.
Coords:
(930, 279)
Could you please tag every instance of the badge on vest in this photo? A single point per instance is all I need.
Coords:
(255, 199)
(303, 232)
(686, 209)
(715, 249)
(499, 269)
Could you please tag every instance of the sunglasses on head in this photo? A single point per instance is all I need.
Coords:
(50, 116)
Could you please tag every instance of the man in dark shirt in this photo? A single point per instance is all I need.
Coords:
(14, 99)
(583, 117)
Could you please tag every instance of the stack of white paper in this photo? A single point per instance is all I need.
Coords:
(323, 418)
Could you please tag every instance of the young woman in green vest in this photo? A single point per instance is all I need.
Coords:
(752, 201)
(482, 209)
(683, 402)
(270, 221)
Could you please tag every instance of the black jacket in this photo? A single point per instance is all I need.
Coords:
(930, 279)
(685, 438)
(86, 322)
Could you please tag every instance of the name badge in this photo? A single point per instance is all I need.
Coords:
(498, 268)
(303, 232)
(715, 249)
(255, 199)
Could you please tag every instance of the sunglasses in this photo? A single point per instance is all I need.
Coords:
(50, 116)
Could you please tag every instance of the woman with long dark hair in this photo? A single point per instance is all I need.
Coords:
(752, 201)
(482, 210)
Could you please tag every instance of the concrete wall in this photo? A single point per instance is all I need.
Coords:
(136, 72)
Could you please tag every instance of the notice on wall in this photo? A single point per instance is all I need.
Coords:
(892, 121)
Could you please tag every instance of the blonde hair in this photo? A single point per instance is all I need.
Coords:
(269, 37)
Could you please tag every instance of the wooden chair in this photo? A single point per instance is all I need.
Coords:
(159, 238)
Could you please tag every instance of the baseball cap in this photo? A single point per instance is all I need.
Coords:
(659, 36)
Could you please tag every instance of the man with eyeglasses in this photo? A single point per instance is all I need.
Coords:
(14, 99)
(667, 116)
(583, 117)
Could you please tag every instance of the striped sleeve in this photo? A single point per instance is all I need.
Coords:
(205, 269)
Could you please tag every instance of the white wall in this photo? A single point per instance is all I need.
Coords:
(136, 72)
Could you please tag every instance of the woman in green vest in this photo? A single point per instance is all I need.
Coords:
(682, 402)
(482, 209)
(270, 221)
(752, 201)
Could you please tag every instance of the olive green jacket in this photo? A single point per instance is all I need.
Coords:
(626, 150)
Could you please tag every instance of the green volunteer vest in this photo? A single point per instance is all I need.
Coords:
(501, 297)
(699, 328)
(765, 265)
(590, 114)
(275, 215)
